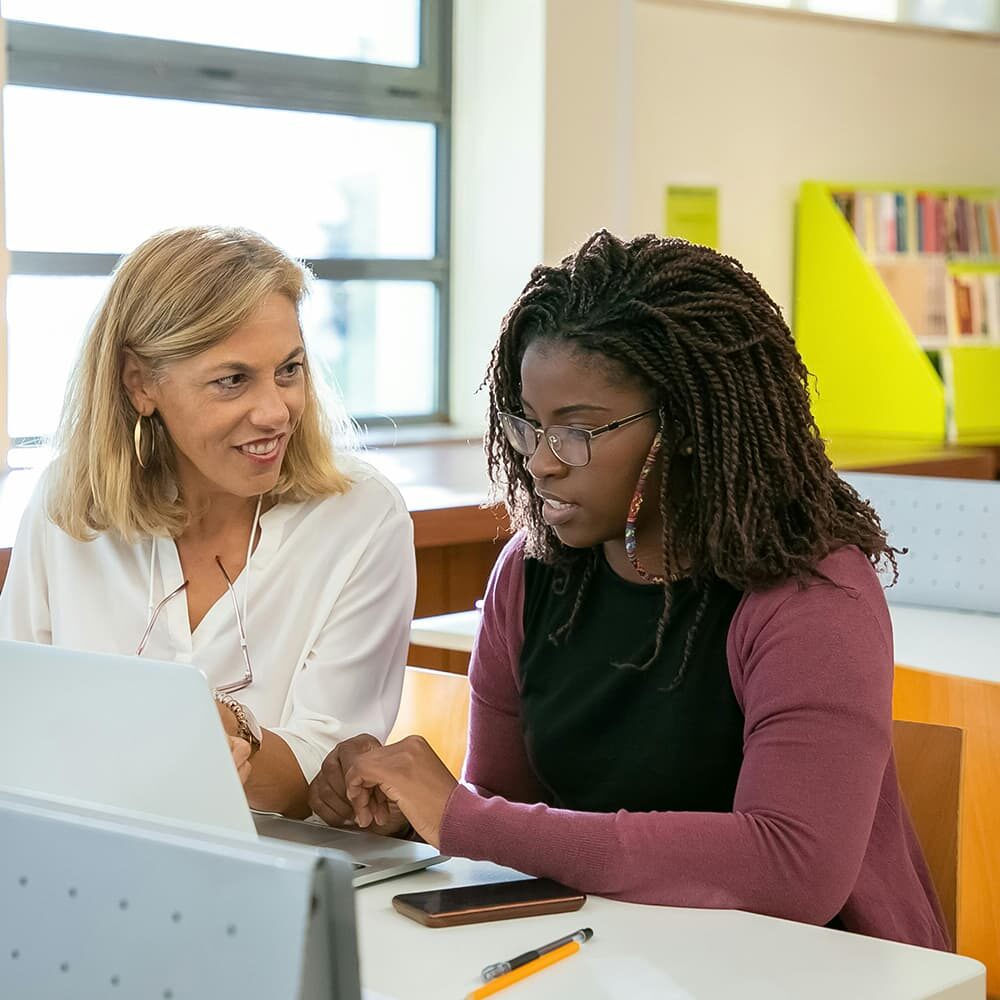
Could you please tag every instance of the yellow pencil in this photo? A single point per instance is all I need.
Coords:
(508, 979)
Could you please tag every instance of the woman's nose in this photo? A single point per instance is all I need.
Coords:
(544, 464)
(270, 408)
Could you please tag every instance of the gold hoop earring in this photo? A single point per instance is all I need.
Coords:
(137, 437)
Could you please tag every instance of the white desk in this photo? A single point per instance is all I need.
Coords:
(643, 953)
(456, 631)
(943, 641)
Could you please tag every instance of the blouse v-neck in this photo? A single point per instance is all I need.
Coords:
(168, 559)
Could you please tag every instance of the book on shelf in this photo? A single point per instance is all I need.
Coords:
(920, 241)
(903, 279)
(917, 285)
(922, 221)
(973, 307)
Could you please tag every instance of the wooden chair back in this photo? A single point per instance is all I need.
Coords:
(435, 705)
(929, 764)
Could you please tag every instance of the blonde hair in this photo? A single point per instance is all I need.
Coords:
(176, 295)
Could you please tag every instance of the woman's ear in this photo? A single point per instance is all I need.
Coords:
(138, 382)
(681, 442)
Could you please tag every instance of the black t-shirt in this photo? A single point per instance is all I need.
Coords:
(603, 735)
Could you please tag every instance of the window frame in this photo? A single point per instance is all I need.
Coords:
(54, 57)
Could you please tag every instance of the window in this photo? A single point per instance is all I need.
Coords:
(323, 124)
(873, 10)
(963, 15)
(383, 31)
(966, 15)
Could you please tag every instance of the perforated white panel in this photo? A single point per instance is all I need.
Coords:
(951, 528)
(99, 908)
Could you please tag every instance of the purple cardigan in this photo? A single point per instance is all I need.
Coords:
(818, 827)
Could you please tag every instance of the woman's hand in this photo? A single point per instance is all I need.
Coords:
(328, 796)
(408, 775)
(240, 750)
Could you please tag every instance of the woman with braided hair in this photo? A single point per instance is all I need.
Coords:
(681, 687)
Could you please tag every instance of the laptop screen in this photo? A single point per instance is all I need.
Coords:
(139, 736)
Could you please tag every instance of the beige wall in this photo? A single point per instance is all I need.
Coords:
(632, 95)
(589, 148)
(757, 101)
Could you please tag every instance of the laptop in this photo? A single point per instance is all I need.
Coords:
(142, 738)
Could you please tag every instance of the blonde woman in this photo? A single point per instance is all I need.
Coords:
(197, 512)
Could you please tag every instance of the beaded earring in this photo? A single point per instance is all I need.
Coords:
(686, 448)
(633, 513)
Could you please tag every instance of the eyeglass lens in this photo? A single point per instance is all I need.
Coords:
(569, 444)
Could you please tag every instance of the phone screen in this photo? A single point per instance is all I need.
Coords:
(489, 894)
(467, 904)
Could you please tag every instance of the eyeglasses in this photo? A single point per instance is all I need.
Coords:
(247, 678)
(571, 445)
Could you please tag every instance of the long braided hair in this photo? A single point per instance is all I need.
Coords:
(759, 502)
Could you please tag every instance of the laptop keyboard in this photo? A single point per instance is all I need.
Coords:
(312, 834)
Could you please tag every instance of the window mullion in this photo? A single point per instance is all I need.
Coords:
(71, 264)
(100, 62)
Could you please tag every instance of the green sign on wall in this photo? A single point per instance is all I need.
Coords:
(692, 213)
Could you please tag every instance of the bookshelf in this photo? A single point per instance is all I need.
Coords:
(904, 341)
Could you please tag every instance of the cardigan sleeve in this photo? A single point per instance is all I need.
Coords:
(815, 675)
(497, 760)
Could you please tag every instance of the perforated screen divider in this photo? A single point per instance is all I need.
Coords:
(952, 530)
(100, 907)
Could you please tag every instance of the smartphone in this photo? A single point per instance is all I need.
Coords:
(473, 904)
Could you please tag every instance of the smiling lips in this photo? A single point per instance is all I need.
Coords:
(262, 451)
(556, 511)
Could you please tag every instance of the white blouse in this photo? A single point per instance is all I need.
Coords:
(332, 585)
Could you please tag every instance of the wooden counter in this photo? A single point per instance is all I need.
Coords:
(904, 458)
(445, 485)
(458, 538)
(973, 705)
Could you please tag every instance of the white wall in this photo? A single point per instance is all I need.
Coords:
(498, 179)
(757, 101)
(543, 155)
